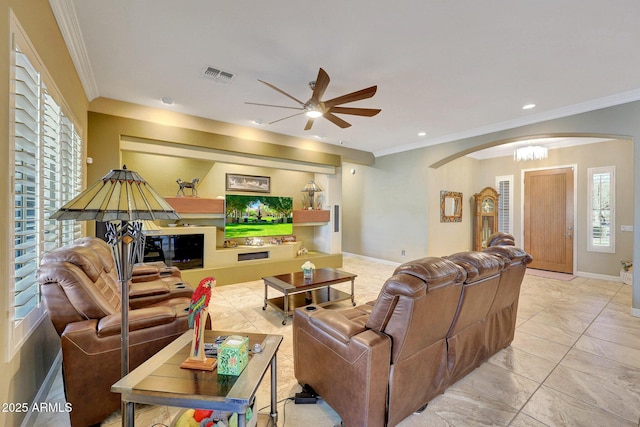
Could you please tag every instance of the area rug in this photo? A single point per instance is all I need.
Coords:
(550, 274)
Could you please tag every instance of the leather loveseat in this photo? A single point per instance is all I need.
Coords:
(81, 291)
(434, 321)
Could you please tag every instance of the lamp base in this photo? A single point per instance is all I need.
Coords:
(208, 364)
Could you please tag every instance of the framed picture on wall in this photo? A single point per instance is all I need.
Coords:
(258, 184)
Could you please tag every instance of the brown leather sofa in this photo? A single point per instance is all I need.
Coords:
(82, 294)
(434, 321)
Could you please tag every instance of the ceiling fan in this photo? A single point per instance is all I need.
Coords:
(315, 107)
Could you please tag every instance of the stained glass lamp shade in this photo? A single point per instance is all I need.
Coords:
(123, 200)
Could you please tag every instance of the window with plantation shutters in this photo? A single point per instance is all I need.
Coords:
(25, 186)
(46, 172)
(601, 209)
(504, 185)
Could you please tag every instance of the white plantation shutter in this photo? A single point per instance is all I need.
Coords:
(25, 186)
(601, 208)
(70, 176)
(47, 172)
(50, 169)
(504, 185)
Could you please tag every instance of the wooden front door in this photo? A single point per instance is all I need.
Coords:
(548, 219)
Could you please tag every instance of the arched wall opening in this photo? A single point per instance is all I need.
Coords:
(390, 203)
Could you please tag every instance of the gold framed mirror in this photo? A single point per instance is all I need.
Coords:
(450, 206)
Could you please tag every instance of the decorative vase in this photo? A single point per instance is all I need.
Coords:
(307, 273)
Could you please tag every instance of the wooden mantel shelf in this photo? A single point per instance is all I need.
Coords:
(303, 216)
(196, 205)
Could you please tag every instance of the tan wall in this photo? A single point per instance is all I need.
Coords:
(446, 238)
(618, 153)
(161, 172)
(394, 206)
(23, 375)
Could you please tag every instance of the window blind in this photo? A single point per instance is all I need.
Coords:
(25, 225)
(47, 172)
(504, 205)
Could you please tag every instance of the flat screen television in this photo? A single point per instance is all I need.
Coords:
(257, 216)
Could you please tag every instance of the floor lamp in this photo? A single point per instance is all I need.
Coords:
(123, 200)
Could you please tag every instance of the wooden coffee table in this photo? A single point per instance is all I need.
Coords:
(298, 291)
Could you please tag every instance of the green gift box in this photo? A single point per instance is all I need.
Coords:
(233, 355)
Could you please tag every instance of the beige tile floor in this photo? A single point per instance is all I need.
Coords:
(575, 360)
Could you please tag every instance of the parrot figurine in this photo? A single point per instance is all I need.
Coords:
(198, 316)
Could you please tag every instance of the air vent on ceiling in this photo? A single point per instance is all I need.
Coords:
(217, 75)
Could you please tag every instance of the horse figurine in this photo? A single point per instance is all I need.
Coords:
(185, 184)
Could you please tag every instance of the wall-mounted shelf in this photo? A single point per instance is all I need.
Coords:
(311, 217)
(197, 207)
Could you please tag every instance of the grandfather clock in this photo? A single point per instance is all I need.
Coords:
(485, 221)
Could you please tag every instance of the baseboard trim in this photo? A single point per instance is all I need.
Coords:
(44, 390)
(598, 276)
(366, 258)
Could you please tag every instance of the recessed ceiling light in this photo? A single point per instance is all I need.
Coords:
(422, 134)
(166, 100)
(318, 136)
(528, 106)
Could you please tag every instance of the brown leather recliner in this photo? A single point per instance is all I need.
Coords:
(501, 320)
(466, 338)
(149, 285)
(81, 292)
(391, 360)
(434, 321)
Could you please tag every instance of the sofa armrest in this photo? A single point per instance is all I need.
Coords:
(344, 362)
(333, 323)
(138, 319)
(146, 289)
(145, 273)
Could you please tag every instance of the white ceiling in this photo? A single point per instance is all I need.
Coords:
(452, 69)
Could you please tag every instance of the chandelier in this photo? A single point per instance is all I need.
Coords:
(531, 152)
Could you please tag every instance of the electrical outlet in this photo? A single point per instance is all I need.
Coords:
(626, 228)
(403, 253)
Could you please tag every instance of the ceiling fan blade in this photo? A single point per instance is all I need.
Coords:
(281, 91)
(368, 112)
(322, 81)
(284, 118)
(309, 124)
(336, 120)
(352, 97)
(277, 106)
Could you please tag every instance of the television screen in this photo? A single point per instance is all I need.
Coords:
(258, 216)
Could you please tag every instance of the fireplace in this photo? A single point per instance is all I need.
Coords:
(185, 251)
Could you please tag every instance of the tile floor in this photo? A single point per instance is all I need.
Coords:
(575, 360)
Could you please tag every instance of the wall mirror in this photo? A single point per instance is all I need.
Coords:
(450, 206)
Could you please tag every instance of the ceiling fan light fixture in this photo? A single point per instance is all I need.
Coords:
(314, 114)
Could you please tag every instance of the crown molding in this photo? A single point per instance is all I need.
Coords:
(67, 20)
(583, 107)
